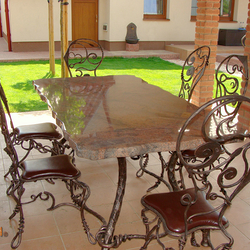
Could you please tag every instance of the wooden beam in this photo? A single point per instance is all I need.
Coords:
(51, 39)
(8, 24)
(64, 35)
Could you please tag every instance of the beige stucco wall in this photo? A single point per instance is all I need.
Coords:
(3, 18)
(29, 20)
(123, 12)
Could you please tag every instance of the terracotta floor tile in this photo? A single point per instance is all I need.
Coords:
(68, 219)
(98, 180)
(48, 243)
(3, 196)
(62, 229)
(78, 241)
(5, 210)
(39, 226)
(102, 195)
(8, 232)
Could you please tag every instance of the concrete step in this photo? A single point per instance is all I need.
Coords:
(164, 54)
(222, 51)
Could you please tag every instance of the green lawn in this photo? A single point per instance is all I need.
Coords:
(16, 77)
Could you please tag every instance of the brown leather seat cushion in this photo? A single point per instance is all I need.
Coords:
(171, 209)
(40, 130)
(50, 167)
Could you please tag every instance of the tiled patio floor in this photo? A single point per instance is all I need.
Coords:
(62, 230)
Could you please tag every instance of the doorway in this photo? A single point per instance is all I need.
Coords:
(85, 19)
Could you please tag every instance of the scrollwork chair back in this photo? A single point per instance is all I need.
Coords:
(216, 178)
(82, 56)
(231, 78)
(192, 71)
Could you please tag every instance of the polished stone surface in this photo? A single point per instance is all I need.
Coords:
(116, 116)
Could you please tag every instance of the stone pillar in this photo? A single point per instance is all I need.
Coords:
(206, 33)
(244, 114)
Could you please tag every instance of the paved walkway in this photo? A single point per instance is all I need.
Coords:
(222, 51)
(6, 56)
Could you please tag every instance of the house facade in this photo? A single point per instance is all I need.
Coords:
(159, 22)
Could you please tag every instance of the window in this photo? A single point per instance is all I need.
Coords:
(194, 10)
(226, 10)
(155, 9)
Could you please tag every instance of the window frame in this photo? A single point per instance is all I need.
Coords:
(157, 16)
(223, 18)
(228, 18)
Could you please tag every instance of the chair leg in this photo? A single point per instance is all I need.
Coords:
(193, 241)
(19, 190)
(140, 172)
(182, 242)
(163, 168)
(206, 240)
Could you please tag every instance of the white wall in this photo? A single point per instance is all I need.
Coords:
(3, 18)
(124, 12)
(29, 20)
(240, 15)
(104, 18)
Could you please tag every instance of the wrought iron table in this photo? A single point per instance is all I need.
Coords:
(115, 117)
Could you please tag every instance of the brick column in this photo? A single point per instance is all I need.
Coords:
(206, 33)
(244, 114)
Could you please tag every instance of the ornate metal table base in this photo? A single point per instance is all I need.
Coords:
(105, 236)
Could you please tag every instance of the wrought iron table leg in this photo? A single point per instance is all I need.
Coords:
(122, 164)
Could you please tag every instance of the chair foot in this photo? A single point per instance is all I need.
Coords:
(206, 241)
(193, 241)
(182, 243)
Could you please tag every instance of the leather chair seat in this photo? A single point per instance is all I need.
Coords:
(172, 211)
(59, 166)
(38, 131)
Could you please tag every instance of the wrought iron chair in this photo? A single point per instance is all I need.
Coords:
(59, 167)
(192, 71)
(216, 178)
(228, 82)
(83, 55)
(27, 135)
(227, 79)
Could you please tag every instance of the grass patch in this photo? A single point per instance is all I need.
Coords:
(17, 77)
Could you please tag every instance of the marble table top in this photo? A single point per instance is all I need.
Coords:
(116, 116)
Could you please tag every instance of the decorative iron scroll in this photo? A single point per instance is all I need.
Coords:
(80, 59)
(192, 71)
(215, 177)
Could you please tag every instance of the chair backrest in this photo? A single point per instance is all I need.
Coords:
(229, 75)
(83, 55)
(9, 149)
(222, 175)
(5, 102)
(192, 71)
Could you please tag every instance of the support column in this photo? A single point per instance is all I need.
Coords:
(206, 33)
(64, 35)
(51, 38)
